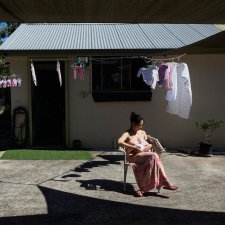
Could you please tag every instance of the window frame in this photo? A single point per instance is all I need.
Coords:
(120, 94)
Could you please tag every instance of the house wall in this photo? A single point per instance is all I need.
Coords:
(19, 95)
(96, 124)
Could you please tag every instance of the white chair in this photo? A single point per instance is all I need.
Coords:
(125, 164)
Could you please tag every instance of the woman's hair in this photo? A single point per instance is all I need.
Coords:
(135, 118)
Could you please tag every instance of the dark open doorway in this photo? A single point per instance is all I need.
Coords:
(5, 118)
(48, 105)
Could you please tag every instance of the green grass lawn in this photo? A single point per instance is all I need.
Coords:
(34, 154)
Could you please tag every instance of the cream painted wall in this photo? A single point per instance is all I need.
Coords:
(96, 124)
(19, 95)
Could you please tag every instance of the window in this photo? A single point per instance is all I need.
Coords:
(115, 79)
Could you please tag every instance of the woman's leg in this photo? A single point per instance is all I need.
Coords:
(149, 172)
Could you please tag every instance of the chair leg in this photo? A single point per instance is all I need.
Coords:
(125, 177)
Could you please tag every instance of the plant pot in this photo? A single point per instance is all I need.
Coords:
(205, 149)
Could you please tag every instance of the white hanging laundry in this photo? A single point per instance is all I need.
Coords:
(33, 74)
(155, 76)
(146, 75)
(59, 73)
(182, 104)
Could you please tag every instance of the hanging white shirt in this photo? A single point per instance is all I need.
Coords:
(182, 104)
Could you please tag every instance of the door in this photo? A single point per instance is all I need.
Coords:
(48, 105)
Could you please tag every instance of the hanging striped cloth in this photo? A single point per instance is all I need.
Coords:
(33, 74)
(59, 73)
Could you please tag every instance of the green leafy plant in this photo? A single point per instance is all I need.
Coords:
(208, 127)
(4, 67)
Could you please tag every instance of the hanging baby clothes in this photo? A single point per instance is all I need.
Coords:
(81, 71)
(155, 76)
(10, 81)
(14, 82)
(59, 73)
(169, 79)
(33, 74)
(182, 104)
(147, 75)
(78, 70)
(162, 73)
(4, 83)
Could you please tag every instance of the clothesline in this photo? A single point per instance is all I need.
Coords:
(149, 58)
(165, 59)
(141, 57)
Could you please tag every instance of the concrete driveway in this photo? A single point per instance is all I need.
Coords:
(91, 192)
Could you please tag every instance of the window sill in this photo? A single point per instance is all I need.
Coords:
(118, 96)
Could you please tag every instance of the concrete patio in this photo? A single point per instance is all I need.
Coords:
(91, 192)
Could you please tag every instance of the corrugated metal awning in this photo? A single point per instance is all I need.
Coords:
(32, 37)
(114, 11)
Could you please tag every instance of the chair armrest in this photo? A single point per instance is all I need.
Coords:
(157, 143)
(121, 149)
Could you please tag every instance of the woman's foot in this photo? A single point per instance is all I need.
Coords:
(170, 186)
(138, 193)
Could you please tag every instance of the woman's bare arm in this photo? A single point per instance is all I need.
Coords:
(122, 142)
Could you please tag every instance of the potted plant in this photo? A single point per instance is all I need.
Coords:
(207, 127)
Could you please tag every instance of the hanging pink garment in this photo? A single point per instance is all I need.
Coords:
(81, 72)
(147, 168)
(168, 76)
(8, 82)
(59, 73)
(4, 83)
(14, 82)
(75, 71)
(33, 74)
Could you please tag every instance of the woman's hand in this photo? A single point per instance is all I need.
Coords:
(136, 149)
(151, 140)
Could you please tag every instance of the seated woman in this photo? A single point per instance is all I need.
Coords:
(147, 166)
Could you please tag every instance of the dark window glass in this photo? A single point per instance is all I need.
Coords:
(117, 74)
(116, 77)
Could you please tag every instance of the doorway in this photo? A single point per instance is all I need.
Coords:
(5, 118)
(48, 105)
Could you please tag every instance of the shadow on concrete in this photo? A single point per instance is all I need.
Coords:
(114, 186)
(67, 209)
(108, 159)
(106, 185)
(71, 175)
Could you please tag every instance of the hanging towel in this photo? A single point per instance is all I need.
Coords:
(59, 73)
(33, 74)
